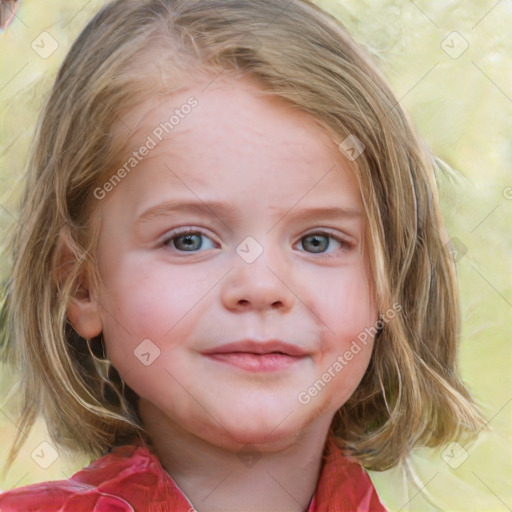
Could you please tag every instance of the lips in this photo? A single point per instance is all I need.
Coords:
(258, 348)
(257, 356)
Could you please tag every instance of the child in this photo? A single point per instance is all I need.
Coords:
(166, 310)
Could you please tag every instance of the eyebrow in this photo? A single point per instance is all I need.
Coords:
(223, 210)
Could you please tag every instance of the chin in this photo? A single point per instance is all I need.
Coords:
(262, 440)
(268, 432)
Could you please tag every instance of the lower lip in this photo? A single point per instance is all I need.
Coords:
(257, 362)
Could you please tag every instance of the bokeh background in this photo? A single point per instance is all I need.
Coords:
(449, 63)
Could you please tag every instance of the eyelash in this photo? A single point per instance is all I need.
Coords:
(183, 231)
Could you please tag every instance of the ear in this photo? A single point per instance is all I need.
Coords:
(83, 310)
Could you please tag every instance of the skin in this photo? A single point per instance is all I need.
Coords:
(271, 163)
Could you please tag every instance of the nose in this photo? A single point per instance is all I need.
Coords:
(262, 285)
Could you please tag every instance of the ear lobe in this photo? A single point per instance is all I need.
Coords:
(83, 315)
(83, 312)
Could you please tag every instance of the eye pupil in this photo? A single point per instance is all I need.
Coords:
(318, 243)
(189, 242)
(193, 241)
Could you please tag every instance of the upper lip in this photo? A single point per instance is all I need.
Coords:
(258, 347)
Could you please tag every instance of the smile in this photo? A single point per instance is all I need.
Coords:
(248, 361)
(258, 356)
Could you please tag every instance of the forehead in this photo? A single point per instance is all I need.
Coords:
(223, 104)
(231, 136)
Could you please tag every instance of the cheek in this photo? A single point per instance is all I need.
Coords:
(345, 302)
(346, 307)
(147, 311)
(150, 299)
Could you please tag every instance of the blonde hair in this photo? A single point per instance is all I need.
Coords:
(410, 394)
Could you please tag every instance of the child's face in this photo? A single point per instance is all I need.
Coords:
(271, 168)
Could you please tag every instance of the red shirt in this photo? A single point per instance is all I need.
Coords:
(131, 478)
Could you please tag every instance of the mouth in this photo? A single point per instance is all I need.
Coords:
(257, 356)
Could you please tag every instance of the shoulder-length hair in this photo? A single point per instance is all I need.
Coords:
(411, 393)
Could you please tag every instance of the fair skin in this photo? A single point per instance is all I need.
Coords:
(273, 165)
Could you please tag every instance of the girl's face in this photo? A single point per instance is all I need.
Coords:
(234, 284)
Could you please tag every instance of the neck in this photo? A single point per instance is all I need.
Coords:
(253, 478)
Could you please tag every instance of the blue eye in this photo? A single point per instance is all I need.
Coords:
(318, 243)
(187, 240)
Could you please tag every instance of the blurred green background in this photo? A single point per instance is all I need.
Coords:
(450, 65)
